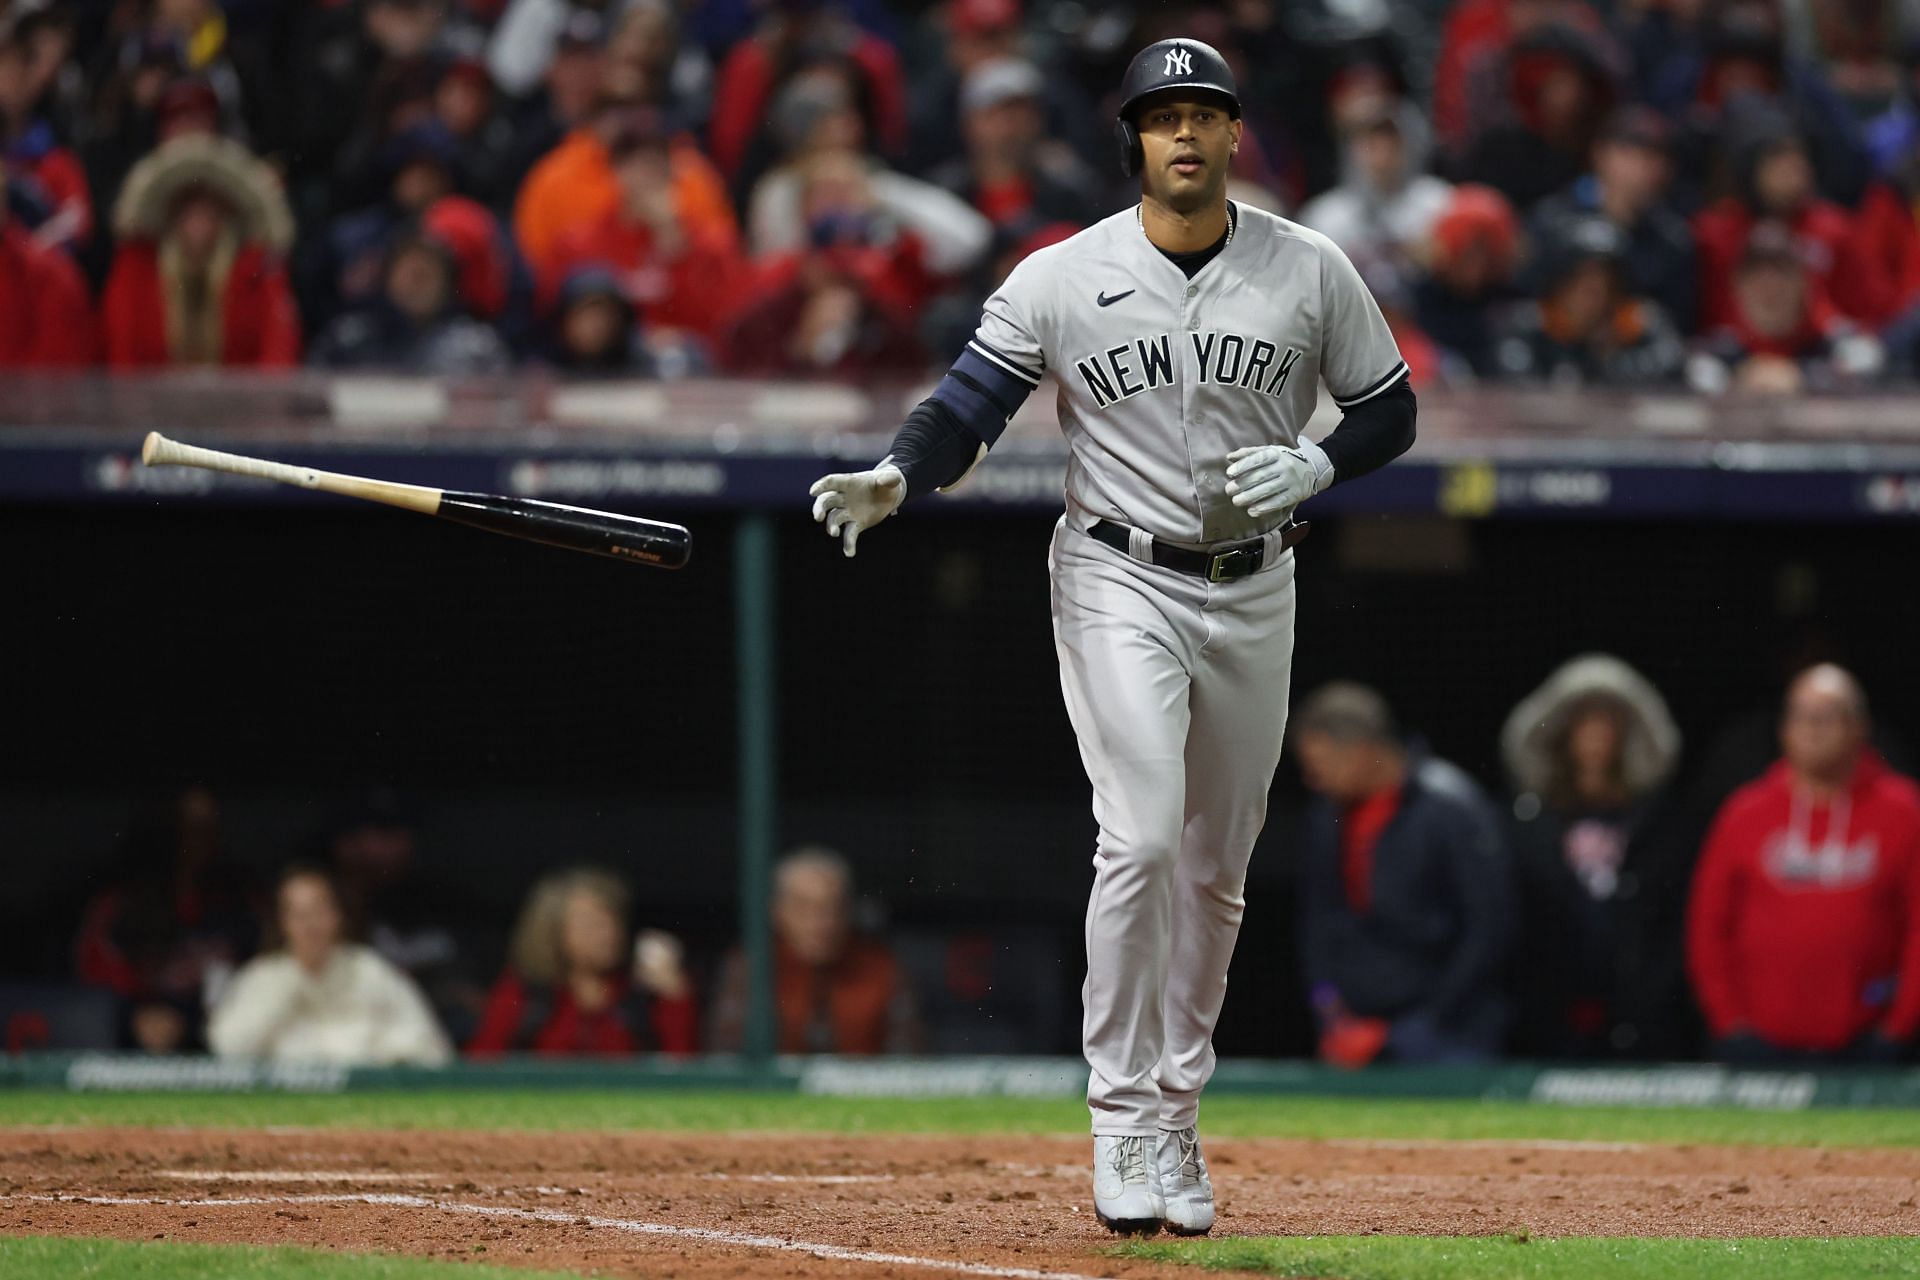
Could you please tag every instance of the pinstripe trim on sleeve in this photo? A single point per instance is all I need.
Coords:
(1392, 376)
(1011, 365)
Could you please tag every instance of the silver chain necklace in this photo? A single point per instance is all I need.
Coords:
(1233, 223)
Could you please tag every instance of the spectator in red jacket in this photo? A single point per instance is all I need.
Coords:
(574, 985)
(835, 991)
(1803, 933)
(31, 150)
(165, 935)
(797, 32)
(678, 272)
(1476, 37)
(47, 319)
(823, 313)
(198, 279)
(1785, 337)
(1774, 179)
(1561, 83)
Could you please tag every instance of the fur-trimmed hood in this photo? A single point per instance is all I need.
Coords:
(1652, 744)
(244, 181)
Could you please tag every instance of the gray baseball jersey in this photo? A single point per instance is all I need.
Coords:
(1161, 376)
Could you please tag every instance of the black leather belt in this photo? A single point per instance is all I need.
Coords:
(1223, 562)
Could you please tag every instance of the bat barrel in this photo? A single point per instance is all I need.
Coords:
(601, 533)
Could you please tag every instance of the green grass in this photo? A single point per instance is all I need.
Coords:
(1570, 1258)
(1230, 1116)
(51, 1257)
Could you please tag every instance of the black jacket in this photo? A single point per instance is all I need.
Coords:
(1434, 942)
(1659, 248)
(1598, 966)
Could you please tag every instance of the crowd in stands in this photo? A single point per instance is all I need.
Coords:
(1435, 929)
(1711, 194)
(338, 963)
(1766, 912)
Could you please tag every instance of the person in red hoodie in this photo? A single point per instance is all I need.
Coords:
(47, 322)
(569, 988)
(1803, 931)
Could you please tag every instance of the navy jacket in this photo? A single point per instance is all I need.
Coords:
(1433, 944)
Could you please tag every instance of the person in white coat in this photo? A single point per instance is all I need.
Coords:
(321, 998)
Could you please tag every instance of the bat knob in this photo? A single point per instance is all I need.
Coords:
(150, 447)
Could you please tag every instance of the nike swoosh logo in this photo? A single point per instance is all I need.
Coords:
(1105, 301)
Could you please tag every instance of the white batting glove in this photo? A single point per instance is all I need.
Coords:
(1274, 477)
(853, 502)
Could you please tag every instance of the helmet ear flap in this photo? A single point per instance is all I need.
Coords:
(1132, 160)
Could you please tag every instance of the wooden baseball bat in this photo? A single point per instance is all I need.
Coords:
(601, 533)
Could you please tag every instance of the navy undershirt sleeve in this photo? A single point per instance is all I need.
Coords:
(1372, 433)
(941, 438)
(933, 448)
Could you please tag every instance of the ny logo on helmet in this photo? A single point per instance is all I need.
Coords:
(1179, 62)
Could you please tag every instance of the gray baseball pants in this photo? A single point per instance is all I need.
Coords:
(1177, 690)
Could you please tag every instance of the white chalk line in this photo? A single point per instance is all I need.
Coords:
(297, 1175)
(1482, 1144)
(709, 1235)
(831, 1179)
(349, 1175)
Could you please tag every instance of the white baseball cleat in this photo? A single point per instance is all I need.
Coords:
(1184, 1183)
(1126, 1190)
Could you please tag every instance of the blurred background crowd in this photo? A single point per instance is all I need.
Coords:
(1709, 193)
(1718, 195)
(1762, 913)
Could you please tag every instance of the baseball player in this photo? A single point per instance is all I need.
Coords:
(1187, 336)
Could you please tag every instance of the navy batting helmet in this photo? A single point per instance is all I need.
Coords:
(1169, 64)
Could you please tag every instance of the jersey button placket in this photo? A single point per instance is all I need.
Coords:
(1190, 412)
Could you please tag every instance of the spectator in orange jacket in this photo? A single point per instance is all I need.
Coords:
(47, 319)
(677, 272)
(574, 187)
(834, 990)
(198, 276)
(572, 984)
(1803, 932)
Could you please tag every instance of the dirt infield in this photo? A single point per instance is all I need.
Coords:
(811, 1205)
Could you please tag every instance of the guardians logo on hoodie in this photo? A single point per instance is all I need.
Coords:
(1795, 862)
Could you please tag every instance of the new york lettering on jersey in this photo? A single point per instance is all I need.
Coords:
(1224, 359)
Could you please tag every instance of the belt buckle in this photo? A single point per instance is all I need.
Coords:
(1232, 564)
